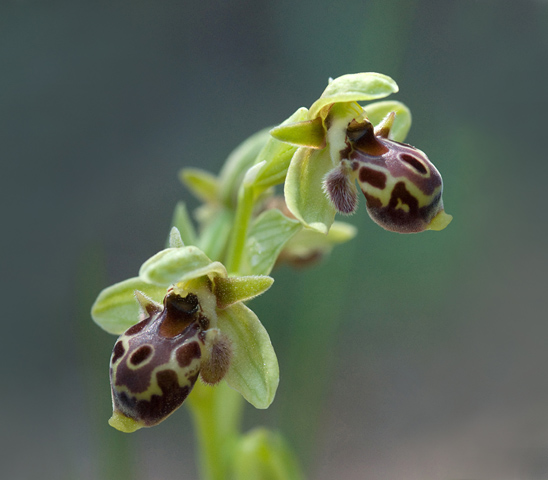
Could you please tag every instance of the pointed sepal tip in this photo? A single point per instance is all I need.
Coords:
(384, 127)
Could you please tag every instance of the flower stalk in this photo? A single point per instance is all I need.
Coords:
(185, 331)
(242, 219)
(216, 413)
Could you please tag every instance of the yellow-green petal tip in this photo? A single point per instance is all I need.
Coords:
(125, 424)
(440, 221)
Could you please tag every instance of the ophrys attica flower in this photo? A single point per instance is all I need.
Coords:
(201, 329)
(339, 145)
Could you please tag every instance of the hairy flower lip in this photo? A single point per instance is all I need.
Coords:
(339, 186)
(429, 181)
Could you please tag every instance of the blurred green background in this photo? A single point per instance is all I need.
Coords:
(402, 357)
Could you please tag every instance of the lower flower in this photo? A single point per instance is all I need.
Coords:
(202, 330)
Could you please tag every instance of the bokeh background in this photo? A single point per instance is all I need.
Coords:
(402, 357)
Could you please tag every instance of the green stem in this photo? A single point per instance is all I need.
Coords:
(216, 412)
(236, 247)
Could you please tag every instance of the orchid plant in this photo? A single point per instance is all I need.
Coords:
(186, 334)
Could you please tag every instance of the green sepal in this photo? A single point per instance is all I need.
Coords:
(266, 239)
(239, 289)
(355, 87)
(402, 123)
(310, 133)
(308, 243)
(204, 185)
(254, 370)
(341, 232)
(237, 164)
(262, 454)
(274, 173)
(304, 193)
(182, 222)
(116, 309)
(174, 265)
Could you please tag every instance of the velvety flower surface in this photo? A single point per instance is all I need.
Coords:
(182, 318)
(339, 146)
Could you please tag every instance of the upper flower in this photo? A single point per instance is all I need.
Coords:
(339, 145)
(201, 328)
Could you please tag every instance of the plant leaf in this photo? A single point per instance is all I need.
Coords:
(266, 239)
(254, 370)
(179, 265)
(303, 188)
(240, 289)
(116, 308)
(237, 163)
(402, 123)
(216, 226)
(354, 87)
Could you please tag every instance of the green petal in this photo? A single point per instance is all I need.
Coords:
(181, 220)
(240, 289)
(266, 238)
(202, 184)
(116, 308)
(254, 368)
(402, 123)
(179, 265)
(261, 454)
(354, 87)
(309, 133)
(303, 188)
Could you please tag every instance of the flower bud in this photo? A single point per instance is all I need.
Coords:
(263, 454)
